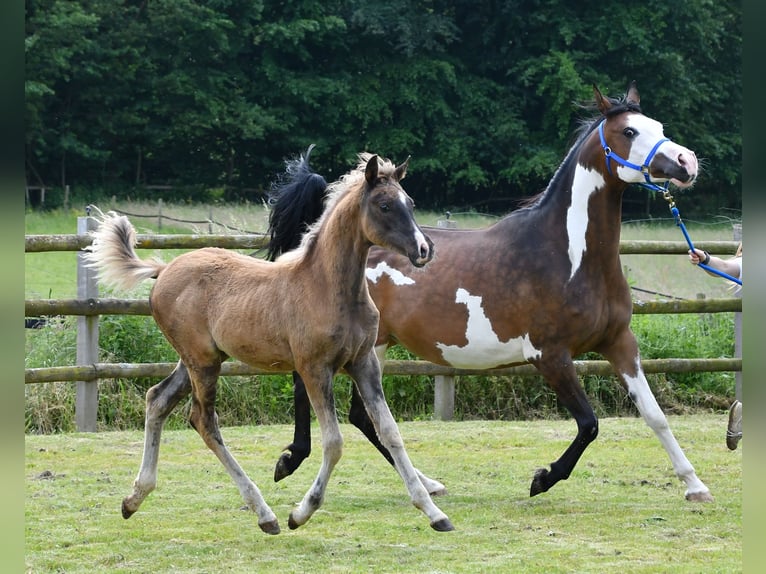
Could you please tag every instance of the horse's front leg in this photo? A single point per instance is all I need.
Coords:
(559, 371)
(318, 383)
(161, 399)
(298, 450)
(366, 374)
(358, 416)
(624, 356)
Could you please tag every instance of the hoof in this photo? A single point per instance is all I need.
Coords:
(286, 465)
(281, 470)
(126, 512)
(539, 482)
(270, 527)
(699, 496)
(443, 525)
(291, 522)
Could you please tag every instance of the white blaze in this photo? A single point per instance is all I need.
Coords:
(485, 349)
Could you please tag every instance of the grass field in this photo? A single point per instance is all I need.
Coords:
(622, 509)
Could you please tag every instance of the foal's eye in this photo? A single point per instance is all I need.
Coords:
(384, 207)
(629, 133)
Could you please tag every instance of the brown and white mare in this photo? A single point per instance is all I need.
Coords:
(309, 311)
(541, 286)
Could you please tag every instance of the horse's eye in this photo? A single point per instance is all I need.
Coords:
(384, 207)
(629, 133)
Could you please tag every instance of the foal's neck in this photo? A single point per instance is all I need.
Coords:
(341, 249)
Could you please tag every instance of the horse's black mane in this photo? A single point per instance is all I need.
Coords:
(297, 200)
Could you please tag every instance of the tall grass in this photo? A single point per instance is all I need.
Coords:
(49, 407)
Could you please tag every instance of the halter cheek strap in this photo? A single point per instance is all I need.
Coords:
(644, 169)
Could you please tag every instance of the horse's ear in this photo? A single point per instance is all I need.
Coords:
(632, 94)
(602, 102)
(401, 170)
(371, 171)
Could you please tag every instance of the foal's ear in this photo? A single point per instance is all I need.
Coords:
(632, 94)
(401, 171)
(602, 102)
(371, 171)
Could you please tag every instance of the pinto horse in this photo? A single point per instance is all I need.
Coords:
(309, 311)
(541, 286)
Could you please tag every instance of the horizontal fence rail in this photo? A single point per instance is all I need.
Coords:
(74, 242)
(43, 307)
(390, 367)
(88, 307)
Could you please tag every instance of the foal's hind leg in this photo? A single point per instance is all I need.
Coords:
(624, 356)
(204, 419)
(161, 399)
(562, 378)
(298, 450)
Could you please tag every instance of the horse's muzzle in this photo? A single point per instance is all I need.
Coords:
(425, 252)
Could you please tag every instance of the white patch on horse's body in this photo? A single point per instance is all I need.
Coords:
(485, 350)
(383, 268)
(585, 182)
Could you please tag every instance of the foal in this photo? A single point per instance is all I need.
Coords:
(309, 311)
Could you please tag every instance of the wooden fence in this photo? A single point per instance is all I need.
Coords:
(88, 307)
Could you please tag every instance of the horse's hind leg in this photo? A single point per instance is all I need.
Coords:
(562, 378)
(358, 416)
(299, 450)
(624, 356)
(205, 420)
(161, 399)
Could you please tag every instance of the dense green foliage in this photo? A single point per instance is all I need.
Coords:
(211, 96)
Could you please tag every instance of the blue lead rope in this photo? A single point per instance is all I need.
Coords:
(679, 223)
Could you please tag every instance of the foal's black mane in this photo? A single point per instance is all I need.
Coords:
(586, 126)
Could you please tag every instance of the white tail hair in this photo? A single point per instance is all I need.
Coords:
(112, 253)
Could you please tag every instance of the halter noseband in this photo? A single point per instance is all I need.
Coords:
(644, 169)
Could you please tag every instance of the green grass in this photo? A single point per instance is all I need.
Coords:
(622, 509)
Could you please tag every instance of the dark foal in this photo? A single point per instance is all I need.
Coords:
(309, 311)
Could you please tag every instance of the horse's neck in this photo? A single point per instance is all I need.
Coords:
(341, 249)
(589, 208)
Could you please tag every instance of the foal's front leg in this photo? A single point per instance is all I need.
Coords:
(318, 383)
(366, 373)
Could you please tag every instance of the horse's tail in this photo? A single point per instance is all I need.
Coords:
(113, 255)
(297, 201)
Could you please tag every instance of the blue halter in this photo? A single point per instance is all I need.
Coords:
(610, 155)
(644, 169)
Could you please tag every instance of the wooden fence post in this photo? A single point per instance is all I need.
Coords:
(86, 397)
(444, 397)
(444, 386)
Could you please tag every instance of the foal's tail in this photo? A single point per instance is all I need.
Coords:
(113, 255)
(297, 201)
